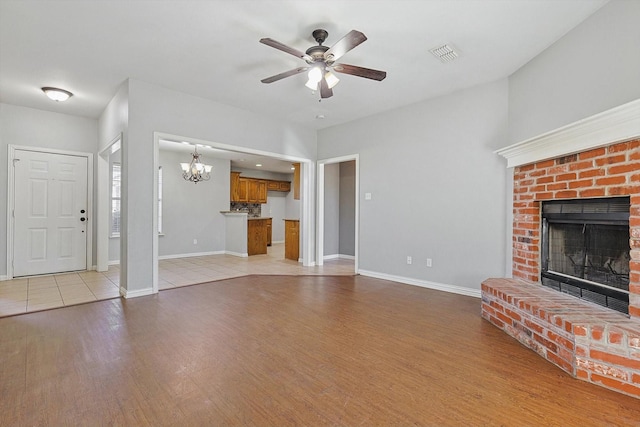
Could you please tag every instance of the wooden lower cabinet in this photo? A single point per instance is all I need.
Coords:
(256, 236)
(269, 230)
(292, 239)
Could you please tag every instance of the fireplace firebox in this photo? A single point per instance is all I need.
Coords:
(585, 249)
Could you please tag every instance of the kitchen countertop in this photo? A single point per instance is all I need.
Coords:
(244, 213)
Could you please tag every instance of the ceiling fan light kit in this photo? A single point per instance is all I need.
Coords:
(321, 62)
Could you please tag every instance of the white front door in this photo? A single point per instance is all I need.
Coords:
(50, 213)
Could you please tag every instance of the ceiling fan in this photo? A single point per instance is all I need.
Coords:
(321, 62)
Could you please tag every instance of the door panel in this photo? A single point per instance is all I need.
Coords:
(49, 230)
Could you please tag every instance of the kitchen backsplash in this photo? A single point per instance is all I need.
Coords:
(253, 209)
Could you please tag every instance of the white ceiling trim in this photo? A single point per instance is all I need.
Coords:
(618, 124)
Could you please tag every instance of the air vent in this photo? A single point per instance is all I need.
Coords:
(444, 53)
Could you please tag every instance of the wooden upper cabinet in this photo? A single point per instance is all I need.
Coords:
(243, 190)
(284, 186)
(257, 190)
(273, 185)
(239, 188)
(296, 181)
(254, 190)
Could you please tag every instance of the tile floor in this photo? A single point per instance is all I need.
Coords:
(37, 293)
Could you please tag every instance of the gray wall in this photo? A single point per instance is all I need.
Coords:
(593, 68)
(331, 209)
(37, 128)
(437, 187)
(347, 208)
(192, 211)
(155, 109)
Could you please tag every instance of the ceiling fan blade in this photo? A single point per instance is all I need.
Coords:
(285, 74)
(354, 70)
(285, 48)
(344, 45)
(325, 90)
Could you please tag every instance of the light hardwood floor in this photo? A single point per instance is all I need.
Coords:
(286, 351)
(46, 292)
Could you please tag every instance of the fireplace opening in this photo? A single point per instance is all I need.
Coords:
(585, 249)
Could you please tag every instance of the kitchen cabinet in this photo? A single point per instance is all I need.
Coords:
(292, 239)
(269, 230)
(296, 181)
(239, 188)
(273, 185)
(256, 236)
(257, 190)
(248, 190)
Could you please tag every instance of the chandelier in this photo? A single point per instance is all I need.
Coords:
(195, 171)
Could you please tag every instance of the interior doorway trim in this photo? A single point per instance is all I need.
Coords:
(104, 202)
(306, 198)
(11, 200)
(320, 204)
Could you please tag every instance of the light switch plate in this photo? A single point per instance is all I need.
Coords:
(367, 196)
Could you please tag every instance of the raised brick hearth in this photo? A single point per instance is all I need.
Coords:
(587, 341)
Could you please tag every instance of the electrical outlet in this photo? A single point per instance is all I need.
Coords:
(195, 241)
(429, 262)
(409, 260)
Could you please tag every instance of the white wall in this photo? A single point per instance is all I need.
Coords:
(347, 208)
(593, 68)
(331, 209)
(437, 187)
(37, 128)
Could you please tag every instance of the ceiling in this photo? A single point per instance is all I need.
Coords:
(210, 49)
(239, 159)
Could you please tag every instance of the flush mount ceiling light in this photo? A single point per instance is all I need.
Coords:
(195, 171)
(57, 94)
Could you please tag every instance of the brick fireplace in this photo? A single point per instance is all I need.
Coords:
(589, 342)
(606, 171)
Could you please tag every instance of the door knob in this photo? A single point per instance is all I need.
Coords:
(81, 210)
(83, 219)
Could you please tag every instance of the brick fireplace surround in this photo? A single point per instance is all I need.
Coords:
(587, 341)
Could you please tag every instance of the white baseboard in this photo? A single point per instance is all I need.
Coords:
(245, 255)
(115, 262)
(194, 254)
(277, 242)
(4, 278)
(339, 256)
(423, 283)
(137, 293)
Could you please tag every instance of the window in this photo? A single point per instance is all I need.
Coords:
(160, 200)
(115, 199)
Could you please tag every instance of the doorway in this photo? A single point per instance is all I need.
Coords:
(338, 217)
(50, 197)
